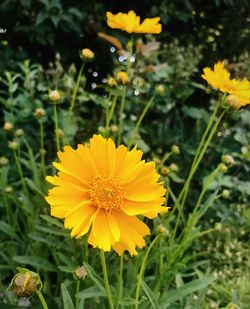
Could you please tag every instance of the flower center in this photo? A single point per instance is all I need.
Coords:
(106, 193)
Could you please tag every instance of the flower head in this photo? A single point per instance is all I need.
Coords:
(88, 54)
(122, 77)
(8, 126)
(130, 22)
(102, 188)
(238, 90)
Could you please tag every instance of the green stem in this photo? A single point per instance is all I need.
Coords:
(185, 189)
(42, 150)
(143, 265)
(121, 278)
(73, 99)
(42, 300)
(106, 280)
(110, 114)
(56, 128)
(77, 293)
(137, 126)
(6, 204)
(121, 114)
(20, 171)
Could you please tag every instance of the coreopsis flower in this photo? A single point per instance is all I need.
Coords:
(238, 90)
(87, 53)
(122, 77)
(102, 188)
(130, 22)
(55, 96)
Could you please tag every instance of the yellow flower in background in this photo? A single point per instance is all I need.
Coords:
(55, 95)
(238, 90)
(122, 77)
(102, 188)
(130, 22)
(87, 53)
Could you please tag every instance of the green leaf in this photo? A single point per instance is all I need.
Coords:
(188, 288)
(35, 261)
(150, 294)
(93, 275)
(67, 269)
(7, 229)
(92, 292)
(67, 301)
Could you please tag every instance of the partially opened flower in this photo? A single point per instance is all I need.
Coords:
(238, 90)
(102, 188)
(130, 22)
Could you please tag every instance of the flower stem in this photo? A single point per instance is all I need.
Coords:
(42, 300)
(121, 278)
(56, 128)
(77, 293)
(121, 114)
(43, 173)
(20, 171)
(106, 281)
(136, 128)
(143, 265)
(110, 113)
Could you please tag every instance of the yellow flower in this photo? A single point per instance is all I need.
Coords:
(111, 82)
(122, 77)
(103, 188)
(87, 53)
(219, 78)
(130, 22)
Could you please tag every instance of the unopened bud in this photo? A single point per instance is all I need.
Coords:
(101, 129)
(114, 128)
(54, 96)
(175, 149)
(80, 273)
(218, 226)
(174, 167)
(160, 89)
(19, 132)
(122, 77)
(39, 113)
(59, 132)
(87, 53)
(25, 283)
(13, 145)
(8, 189)
(8, 126)
(162, 229)
(4, 161)
(165, 170)
(226, 194)
(111, 82)
(223, 168)
(227, 159)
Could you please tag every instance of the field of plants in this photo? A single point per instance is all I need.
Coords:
(125, 154)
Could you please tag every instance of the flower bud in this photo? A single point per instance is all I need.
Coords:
(227, 159)
(59, 133)
(13, 145)
(174, 167)
(111, 82)
(165, 170)
(8, 126)
(8, 189)
(162, 230)
(218, 226)
(114, 128)
(175, 149)
(159, 89)
(54, 95)
(19, 132)
(226, 194)
(223, 168)
(122, 77)
(101, 129)
(233, 101)
(87, 53)
(25, 283)
(40, 113)
(80, 273)
(4, 161)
